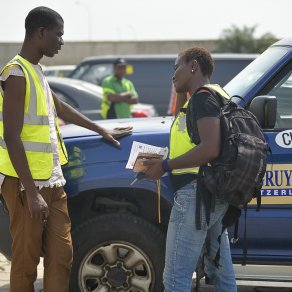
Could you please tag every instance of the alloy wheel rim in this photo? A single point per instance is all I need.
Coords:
(115, 266)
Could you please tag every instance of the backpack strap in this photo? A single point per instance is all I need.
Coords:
(203, 197)
(235, 237)
(220, 99)
(244, 240)
(217, 257)
(198, 208)
(232, 214)
(259, 200)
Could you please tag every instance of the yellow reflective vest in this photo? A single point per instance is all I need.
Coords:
(180, 142)
(106, 103)
(35, 134)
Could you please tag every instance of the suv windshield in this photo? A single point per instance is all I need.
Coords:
(93, 73)
(246, 79)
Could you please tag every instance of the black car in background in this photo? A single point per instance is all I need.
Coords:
(152, 74)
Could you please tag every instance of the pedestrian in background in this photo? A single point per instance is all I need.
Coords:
(119, 93)
(31, 155)
(185, 240)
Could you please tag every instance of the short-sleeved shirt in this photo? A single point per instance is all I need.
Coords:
(201, 105)
(119, 109)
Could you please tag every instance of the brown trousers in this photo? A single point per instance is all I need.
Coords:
(30, 239)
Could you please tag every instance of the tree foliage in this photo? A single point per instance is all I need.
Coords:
(237, 40)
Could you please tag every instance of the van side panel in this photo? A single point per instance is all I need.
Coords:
(226, 69)
(153, 81)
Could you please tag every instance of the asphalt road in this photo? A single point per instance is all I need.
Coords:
(284, 273)
(255, 278)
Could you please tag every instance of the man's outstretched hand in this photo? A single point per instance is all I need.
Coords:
(112, 135)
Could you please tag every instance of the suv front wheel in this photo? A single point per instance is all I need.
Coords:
(117, 252)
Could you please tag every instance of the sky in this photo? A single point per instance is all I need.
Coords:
(119, 20)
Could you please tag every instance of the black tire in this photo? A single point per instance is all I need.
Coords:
(117, 252)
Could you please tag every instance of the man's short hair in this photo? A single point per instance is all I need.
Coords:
(41, 17)
(202, 56)
(120, 62)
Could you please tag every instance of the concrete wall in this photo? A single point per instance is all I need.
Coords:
(74, 52)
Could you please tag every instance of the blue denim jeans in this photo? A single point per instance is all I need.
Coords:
(185, 243)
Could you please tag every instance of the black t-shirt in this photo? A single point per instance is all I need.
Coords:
(201, 105)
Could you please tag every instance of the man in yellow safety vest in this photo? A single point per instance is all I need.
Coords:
(31, 155)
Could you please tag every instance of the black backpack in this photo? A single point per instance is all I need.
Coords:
(236, 175)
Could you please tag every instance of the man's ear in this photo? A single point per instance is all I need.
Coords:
(41, 31)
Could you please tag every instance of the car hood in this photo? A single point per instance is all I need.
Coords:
(140, 125)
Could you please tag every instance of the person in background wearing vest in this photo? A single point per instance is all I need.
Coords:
(31, 155)
(185, 240)
(118, 93)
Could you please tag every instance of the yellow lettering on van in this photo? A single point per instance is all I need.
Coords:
(129, 69)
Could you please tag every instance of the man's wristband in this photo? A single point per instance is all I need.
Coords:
(165, 166)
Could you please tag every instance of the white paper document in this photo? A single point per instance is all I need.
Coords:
(138, 148)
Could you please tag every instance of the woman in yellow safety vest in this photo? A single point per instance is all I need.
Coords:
(185, 239)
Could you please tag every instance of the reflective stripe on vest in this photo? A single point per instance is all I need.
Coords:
(180, 142)
(29, 120)
(35, 134)
(31, 146)
(106, 104)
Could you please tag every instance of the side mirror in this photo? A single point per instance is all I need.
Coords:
(264, 107)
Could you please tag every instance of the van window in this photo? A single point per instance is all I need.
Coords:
(80, 70)
(283, 92)
(246, 79)
(93, 73)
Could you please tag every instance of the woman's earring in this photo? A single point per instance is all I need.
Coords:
(193, 71)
